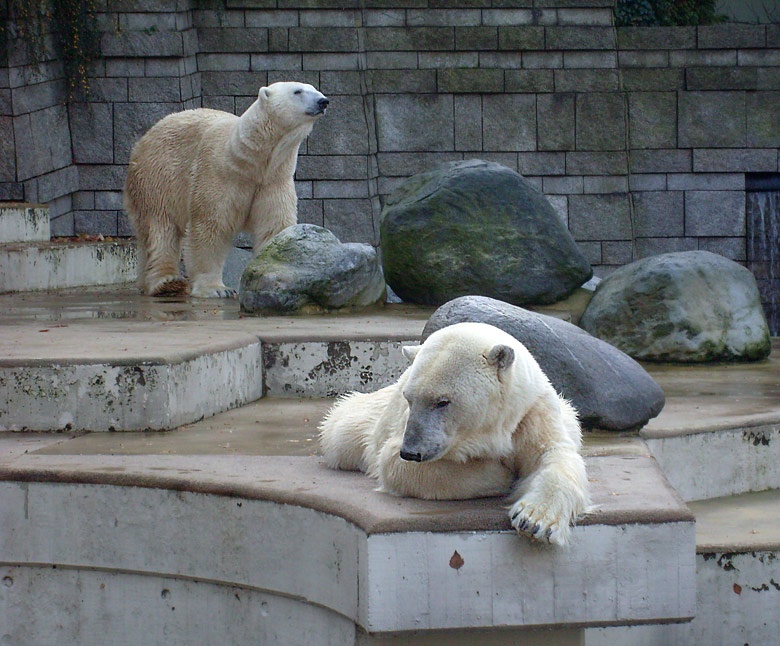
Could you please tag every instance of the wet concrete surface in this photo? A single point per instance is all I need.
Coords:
(110, 302)
(269, 426)
(52, 327)
(116, 324)
(711, 397)
(748, 522)
(266, 427)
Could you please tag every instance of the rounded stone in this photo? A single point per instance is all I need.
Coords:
(305, 269)
(608, 388)
(688, 306)
(476, 227)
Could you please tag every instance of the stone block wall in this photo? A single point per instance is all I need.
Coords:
(640, 137)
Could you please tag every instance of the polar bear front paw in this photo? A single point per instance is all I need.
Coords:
(542, 521)
(213, 291)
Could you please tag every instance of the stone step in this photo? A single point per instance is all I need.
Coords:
(737, 578)
(28, 266)
(112, 376)
(131, 375)
(22, 222)
(719, 433)
(303, 544)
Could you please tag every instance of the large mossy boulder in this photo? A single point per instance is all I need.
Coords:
(305, 269)
(688, 306)
(475, 227)
(608, 388)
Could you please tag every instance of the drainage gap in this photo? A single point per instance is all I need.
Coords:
(762, 211)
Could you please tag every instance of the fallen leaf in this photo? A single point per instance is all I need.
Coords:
(737, 588)
(456, 561)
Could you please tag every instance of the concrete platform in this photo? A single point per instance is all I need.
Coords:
(27, 266)
(255, 516)
(381, 563)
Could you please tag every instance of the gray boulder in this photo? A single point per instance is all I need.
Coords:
(305, 269)
(608, 388)
(235, 263)
(475, 227)
(689, 306)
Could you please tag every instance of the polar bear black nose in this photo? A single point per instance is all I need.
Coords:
(323, 102)
(411, 457)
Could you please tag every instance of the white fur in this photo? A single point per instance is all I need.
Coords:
(203, 175)
(503, 429)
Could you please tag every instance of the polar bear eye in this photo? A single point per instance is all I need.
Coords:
(298, 92)
(442, 403)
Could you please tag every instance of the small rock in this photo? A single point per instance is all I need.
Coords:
(607, 387)
(476, 227)
(305, 269)
(688, 306)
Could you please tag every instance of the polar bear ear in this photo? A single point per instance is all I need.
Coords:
(410, 352)
(501, 356)
(264, 93)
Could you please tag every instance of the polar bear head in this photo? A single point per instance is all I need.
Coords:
(291, 104)
(467, 389)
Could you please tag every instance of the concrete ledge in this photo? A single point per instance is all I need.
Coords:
(720, 463)
(738, 524)
(53, 265)
(290, 528)
(20, 222)
(719, 433)
(626, 489)
(139, 375)
(330, 368)
(144, 396)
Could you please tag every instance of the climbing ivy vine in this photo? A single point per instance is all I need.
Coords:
(69, 26)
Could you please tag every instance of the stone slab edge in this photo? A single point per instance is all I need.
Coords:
(120, 398)
(757, 423)
(23, 223)
(644, 498)
(748, 459)
(34, 266)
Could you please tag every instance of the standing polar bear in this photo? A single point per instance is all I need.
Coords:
(203, 175)
(473, 416)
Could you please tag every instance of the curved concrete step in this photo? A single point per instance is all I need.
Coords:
(737, 578)
(27, 266)
(289, 528)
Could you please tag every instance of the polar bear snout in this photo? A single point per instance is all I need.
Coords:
(411, 457)
(319, 107)
(423, 440)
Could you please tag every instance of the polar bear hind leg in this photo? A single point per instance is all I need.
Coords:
(348, 427)
(159, 251)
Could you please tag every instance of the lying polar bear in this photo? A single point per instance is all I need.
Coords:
(473, 416)
(203, 175)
